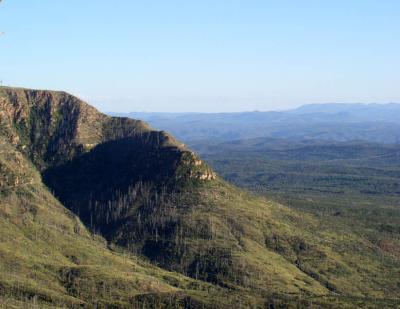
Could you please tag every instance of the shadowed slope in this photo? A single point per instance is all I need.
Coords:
(47, 257)
(143, 190)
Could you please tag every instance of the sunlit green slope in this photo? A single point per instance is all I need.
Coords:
(152, 198)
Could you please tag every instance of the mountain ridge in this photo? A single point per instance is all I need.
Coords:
(72, 126)
(155, 199)
(338, 122)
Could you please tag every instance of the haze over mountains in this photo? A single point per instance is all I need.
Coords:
(339, 122)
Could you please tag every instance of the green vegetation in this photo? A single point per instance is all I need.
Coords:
(175, 235)
(48, 257)
(351, 187)
(342, 181)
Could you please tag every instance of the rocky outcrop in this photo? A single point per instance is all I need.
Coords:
(194, 168)
(13, 167)
(91, 161)
(54, 127)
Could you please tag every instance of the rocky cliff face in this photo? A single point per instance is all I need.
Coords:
(91, 161)
(52, 128)
(49, 127)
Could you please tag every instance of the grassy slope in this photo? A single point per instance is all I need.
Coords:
(355, 191)
(48, 256)
(339, 260)
(218, 233)
(221, 234)
(48, 259)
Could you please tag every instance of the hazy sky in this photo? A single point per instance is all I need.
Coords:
(204, 55)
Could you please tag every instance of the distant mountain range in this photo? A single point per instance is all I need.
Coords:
(339, 122)
(360, 111)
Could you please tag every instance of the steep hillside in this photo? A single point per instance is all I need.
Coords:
(48, 258)
(54, 127)
(145, 192)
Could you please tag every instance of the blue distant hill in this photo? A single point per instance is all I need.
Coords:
(331, 121)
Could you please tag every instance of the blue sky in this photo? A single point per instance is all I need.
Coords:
(205, 55)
